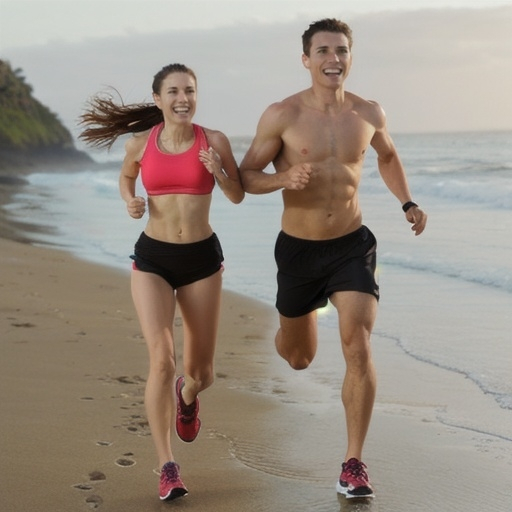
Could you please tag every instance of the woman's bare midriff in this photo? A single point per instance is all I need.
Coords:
(179, 218)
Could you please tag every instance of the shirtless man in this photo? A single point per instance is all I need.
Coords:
(317, 141)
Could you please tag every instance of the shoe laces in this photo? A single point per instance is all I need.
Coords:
(187, 412)
(356, 468)
(169, 472)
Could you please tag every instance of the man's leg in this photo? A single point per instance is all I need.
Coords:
(296, 340)
(357, 312)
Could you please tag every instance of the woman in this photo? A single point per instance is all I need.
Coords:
(178, 258)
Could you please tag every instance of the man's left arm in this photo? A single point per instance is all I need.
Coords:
(393, 174)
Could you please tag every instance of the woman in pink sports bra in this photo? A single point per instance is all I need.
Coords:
(178, 258)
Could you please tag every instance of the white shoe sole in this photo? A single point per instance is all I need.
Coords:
(344, 490)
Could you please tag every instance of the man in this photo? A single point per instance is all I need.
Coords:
(317, 141)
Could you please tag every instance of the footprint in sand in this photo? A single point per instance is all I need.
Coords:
(95, 476)
(94, 501)
(83, 487)
(137, 424)
(23, 324)
(125, 463)
(124, 379)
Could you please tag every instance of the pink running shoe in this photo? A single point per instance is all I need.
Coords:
(354, 481)
(171, 486)
(187, 421)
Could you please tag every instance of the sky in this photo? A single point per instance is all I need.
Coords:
(432, 65)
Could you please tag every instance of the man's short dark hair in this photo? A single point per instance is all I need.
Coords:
(325, 25)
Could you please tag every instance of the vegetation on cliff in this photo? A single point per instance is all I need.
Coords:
(28, 129)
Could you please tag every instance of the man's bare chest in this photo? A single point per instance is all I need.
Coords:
(314, 138)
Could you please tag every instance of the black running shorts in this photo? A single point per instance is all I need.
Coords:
(178, 264)
(310, 271)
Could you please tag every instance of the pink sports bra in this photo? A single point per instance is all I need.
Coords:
(184, 173)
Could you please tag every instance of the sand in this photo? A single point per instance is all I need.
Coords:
(74, 436)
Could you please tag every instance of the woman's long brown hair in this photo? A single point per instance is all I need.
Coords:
(105, 120)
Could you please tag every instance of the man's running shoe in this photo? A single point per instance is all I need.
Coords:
(171, 486)
(187, 421)
(354, 481)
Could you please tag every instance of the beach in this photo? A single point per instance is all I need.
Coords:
(72, 371)
(74, 435)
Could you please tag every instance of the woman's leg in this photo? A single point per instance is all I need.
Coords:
(200, 308)
(155, 304)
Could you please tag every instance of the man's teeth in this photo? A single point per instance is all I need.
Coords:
(332, 71)
(181, 110)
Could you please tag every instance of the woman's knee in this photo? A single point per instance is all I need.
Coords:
(163, 368)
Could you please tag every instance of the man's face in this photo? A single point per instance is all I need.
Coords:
(329, 59)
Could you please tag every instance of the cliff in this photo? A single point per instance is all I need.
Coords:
(31, 136)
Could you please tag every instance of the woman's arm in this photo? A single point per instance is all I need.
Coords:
(134, 148)
(220, 161)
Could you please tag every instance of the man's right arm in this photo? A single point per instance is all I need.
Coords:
(264, 149)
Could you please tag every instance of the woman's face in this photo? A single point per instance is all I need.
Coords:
(177, 98)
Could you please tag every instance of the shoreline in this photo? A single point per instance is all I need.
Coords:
(20, 162)
(72, 376)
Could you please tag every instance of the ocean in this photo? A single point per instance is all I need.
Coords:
(446, 296)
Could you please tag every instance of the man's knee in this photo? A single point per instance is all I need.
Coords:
(295, 355)
(297, 361)
(357, 354)
(296, 341)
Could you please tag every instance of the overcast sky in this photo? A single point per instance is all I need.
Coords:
(433, 65)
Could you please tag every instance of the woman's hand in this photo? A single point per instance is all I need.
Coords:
(136, 207)
(212, 161)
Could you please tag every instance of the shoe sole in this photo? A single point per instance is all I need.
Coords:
(176, 493)
(344, 490)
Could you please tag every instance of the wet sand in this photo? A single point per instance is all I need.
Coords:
(74, 435)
